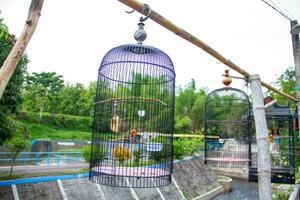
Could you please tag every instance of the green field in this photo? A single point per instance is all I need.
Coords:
(56, 127)
(42, 131)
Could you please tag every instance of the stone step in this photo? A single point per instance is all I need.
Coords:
(39, 191)
(118, 193)
(194, 178)
(80, 189)
(6, 193)
(147, 193)
(171, 192)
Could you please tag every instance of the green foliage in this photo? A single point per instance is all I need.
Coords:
(4, 34)
(183, 123)
(179, 149)
(12, 98)
(41, 131)
(157, 155)
(86, 153)
(58, 120)
(17, 143)
(137, 155)
(187, 147)
(280, 195)
(286, 82)
(6, 127)
(99, 153)
(77, 100)
(67, 99)
(226, 107)
(189, 109)
(40, 89)
(56, 127)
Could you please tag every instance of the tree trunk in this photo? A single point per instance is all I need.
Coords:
(41, 110)
(262, 138)
(14, 56)
(12, 164)
(43, 102)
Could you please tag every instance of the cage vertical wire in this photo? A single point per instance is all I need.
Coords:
(227, 129)
(132, 142)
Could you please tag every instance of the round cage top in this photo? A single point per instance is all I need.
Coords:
(233, 93)
(130, 59)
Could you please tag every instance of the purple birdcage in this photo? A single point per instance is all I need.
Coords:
(132, 143)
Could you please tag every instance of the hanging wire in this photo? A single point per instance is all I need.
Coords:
(286, 10)
(277, 10)
(277, 7)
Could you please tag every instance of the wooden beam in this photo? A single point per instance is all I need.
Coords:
(140, 7)
(17, 51)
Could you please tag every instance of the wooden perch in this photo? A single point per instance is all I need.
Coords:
(134, 98)
(194, 40)
(16, 53)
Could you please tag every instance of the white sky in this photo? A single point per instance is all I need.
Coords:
(73, 36)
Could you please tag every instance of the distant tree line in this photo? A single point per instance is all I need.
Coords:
(47, 92)
(286, 82)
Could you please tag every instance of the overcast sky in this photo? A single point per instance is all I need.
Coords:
(73, 35)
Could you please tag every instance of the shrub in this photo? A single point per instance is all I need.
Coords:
(157, 155)
(165, 152)
(58, 120)
(280, 195)
(86, 153)
(179, 149)
(122, 153)
(183, 124)
(184, 147)
(137, 155)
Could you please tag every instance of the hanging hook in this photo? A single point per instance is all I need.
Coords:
(149, 10)
(129, 12)
(146, 8)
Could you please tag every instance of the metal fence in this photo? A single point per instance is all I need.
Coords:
(41, 158)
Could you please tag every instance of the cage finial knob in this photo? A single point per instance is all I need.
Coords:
(140, 35)
(226, 80)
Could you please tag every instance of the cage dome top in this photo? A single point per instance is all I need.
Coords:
(226, 92)
(136, 58)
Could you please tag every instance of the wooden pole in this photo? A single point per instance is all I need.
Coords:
(14, 56)
(194, 40)
(262, 138)
(296, 52)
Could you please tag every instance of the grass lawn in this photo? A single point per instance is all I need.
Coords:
(42, 131)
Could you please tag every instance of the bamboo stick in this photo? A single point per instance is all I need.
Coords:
(15, 54)
(262, 138)
(194, 40)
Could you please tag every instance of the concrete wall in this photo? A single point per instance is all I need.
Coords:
(191, 180)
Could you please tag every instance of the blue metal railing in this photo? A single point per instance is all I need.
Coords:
(41, 158)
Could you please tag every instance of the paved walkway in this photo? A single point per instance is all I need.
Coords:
(31, 169)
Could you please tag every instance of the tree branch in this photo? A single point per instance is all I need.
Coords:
(16, 53)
